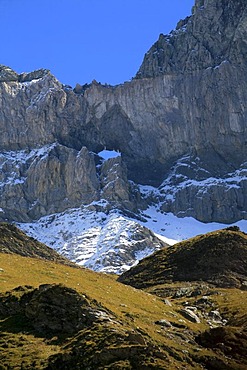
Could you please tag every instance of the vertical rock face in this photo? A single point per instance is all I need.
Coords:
(45, 181)
(61, 178)
(189, 98)
(114, 180)
(215, 32)
(52, 179)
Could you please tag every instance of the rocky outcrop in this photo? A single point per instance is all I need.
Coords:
(81, 327)
(115, 185)
(53, 309)
(231, 341)
(195, 189)
(190, 315)
(62, 178)
(7, 74)
(54, 178)
(57, 309)
(40, 182)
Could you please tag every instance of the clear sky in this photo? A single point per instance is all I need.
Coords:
(82, 40)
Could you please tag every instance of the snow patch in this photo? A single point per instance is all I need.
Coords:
(177, 229)
(100, 241)
(104, 241)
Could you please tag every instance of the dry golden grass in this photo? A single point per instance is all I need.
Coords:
(123, 300)
(136, 309)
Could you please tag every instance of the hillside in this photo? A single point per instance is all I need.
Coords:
(53, 316)
(14, 241)
(219, 257)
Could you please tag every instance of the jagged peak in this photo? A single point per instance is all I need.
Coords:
(7, 74)
(216, 31)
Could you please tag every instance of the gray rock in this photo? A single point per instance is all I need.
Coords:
(188, 99)
(167, 302)
(215, 316)
(204, 301)
(53, 309)
(53, 178)
(45, 181)
(194, 189)
(164, 323)
(183, 292)
(115, 185)
(190, 315)
(27, 77)
(78, 89)
(7, 74)
(203, 40)
(63, 177)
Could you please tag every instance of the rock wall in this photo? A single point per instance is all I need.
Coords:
(189, 97)
(216, 31)
(54, 178)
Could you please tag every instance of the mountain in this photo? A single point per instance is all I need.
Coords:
(56, 316)
(175, 134)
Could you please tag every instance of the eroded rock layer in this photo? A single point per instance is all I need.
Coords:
(189, 98)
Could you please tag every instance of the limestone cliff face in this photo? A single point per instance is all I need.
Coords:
(188, 98)
(54, 178)
(45, 181)
(215, 32)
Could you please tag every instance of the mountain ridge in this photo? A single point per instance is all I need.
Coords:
(203, 40)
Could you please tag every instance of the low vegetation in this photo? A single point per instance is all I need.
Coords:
(55, 316)
(219, 257)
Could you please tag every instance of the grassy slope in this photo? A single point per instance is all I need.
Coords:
(15, 241)
(219, 257)
(135, 310)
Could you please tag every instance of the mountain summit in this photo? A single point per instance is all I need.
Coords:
(215, 33)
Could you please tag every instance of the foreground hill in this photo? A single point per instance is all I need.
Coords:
(14, 241)
(54, 316)
(219, 257)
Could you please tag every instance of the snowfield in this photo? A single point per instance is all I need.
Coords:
(106, 241)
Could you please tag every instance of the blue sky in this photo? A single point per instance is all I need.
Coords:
(82, 40)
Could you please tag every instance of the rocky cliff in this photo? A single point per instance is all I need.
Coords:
(214, 33)
(179, 125)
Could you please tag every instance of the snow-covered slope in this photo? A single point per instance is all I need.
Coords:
(111, 242)
(108, 242)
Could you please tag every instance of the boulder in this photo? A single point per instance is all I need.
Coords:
(190, 315)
